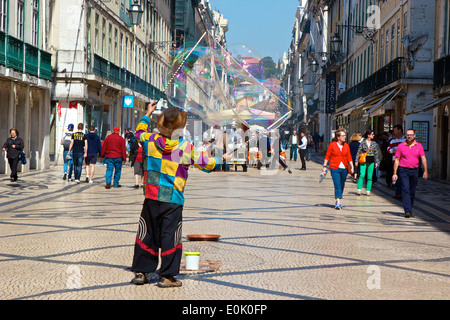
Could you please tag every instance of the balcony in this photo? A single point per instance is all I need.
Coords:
(24, 57)
(125, 78)
(381, 78)
(441, 77)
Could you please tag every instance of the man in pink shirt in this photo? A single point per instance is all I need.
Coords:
(406, 167)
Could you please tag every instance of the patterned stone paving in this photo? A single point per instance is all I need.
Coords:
(281, 239)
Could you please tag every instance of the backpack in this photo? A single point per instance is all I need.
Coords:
(66, 141)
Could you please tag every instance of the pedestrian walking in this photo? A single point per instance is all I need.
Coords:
(14, 147)
(68, 161)
(114, 152)
(355, 141)
(78, 147)
(406, 167)
(293, 144)
(367, 158)
(397, 139)
(168, 160)
(340, 159)
(309, 145)
(137, 162)
(129, 138)
(94, 149)
(277, 154)
(302, 149)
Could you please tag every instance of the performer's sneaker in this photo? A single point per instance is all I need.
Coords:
(140, 279)
(168, 282)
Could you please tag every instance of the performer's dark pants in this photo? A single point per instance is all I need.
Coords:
(159, 228)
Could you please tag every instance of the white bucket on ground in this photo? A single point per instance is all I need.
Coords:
(192, 260)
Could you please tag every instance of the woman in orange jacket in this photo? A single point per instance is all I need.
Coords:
(338, 154)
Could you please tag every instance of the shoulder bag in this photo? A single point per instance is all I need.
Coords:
(363, 156)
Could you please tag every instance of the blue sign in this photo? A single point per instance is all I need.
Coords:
(128, 101)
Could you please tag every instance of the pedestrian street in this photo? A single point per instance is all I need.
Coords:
(280, 239)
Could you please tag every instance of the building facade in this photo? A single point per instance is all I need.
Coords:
(106, 69)
(369, 65)
(25, 79)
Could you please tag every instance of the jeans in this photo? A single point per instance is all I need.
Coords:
(294, 152)
(68, 163)
(77, 164)
(113, 164)
(339, 176)
(365, 168)
(409, 178)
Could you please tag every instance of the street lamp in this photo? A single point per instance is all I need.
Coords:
(135, 13)
(336, 44)
(314, 65)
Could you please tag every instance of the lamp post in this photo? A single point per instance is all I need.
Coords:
(135, 13)
(336, 44)
(314, 66)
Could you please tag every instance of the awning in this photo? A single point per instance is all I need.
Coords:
(429, 106)
(391, 95)
(364, 103)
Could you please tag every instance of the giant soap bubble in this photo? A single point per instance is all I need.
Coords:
(222, 86)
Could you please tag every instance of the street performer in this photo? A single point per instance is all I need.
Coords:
(166, 162)
(406, 167)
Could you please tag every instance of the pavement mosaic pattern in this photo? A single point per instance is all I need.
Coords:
(281, 239)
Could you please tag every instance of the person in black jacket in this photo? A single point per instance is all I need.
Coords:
(355, 141)
(93, 150)
(13, 147)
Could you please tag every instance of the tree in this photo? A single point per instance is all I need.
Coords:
(270, 69)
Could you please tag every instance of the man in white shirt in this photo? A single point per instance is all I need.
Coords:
(302, 149)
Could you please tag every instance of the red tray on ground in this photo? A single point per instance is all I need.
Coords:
(203, 237)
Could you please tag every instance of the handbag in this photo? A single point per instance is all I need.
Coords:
(23, 159)
(363, 156)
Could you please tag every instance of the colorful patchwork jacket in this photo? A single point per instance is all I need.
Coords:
(166, 164)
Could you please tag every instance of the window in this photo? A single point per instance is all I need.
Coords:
(405, 22)
(121, 50)
(89, 39)
(115, 46)
(3, 15)
(20, 20)
(392, 41)
(386, 51)
(381, 50)
(126, 54)
(398, 36)
(97, 18)
(35, 24)
(103, 38)
(110, 40)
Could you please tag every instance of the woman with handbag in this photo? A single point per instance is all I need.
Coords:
(13, 147)
(367, 158)
(341, 163)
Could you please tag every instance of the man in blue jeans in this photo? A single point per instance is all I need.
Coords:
(65, 142)
(406, 167)
(114, 152)
(78, 146)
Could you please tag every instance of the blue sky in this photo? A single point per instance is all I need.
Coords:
(264, 25)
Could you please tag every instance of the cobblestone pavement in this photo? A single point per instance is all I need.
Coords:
(281, 239)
